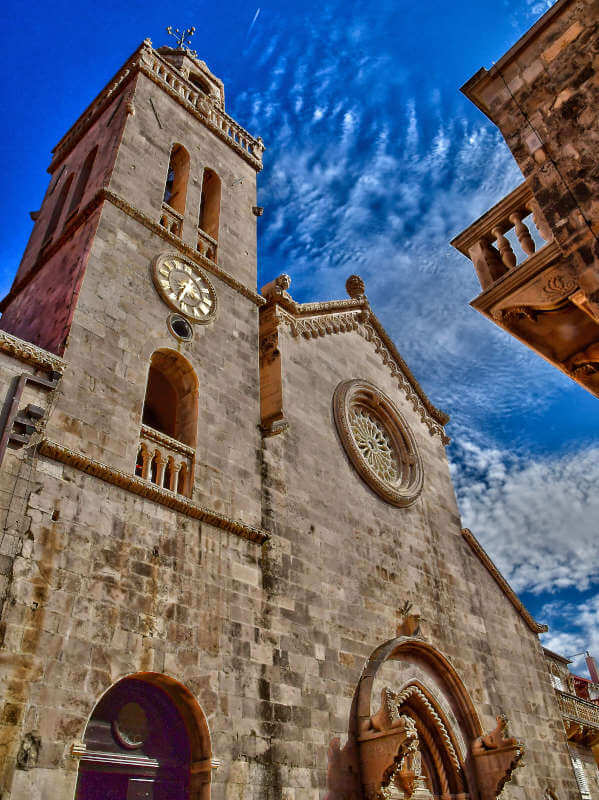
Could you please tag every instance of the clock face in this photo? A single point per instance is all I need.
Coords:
(184, 288)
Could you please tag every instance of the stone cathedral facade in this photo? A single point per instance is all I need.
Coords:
(232, 561)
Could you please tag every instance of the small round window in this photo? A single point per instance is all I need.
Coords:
(378, 442)
(131, 726)
(180, 327)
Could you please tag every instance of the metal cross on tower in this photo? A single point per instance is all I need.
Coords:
(183, 38)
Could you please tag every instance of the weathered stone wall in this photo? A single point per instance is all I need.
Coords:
(120, 320)
(272, 641)
(343, 562)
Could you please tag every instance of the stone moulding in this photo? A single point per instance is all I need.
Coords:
(132, 67)
(138, 486)
(184, 248)
(344, 316)
(507, 590)
(378, 442)
(105, 194)
(30, 353)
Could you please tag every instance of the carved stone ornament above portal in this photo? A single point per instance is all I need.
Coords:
(495, 758)
(378, 442)
(184, 287)
(387, 738)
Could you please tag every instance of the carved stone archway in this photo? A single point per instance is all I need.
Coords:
(426, 739)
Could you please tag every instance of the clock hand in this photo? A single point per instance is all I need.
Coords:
(185, 287)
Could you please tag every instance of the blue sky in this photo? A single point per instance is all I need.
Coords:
(374, 162)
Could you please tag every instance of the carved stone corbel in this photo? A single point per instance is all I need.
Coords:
(588, 303)
(507, 315)
(277, 289)
(584, 363)
(384, 741)
(495, 759)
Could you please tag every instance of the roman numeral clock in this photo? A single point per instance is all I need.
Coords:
(184, 288)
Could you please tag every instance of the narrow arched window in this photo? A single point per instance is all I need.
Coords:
(210, 204)
(175, 189)
(57, 210)
(169, 423)
(83, 179)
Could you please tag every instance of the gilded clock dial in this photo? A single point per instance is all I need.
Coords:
(185, 288)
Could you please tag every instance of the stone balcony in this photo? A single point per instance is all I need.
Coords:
(530, 289)
(581, 719)
(165, 461)
(206, 245)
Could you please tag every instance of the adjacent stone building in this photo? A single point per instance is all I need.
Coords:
(232, 561)
(536, 252)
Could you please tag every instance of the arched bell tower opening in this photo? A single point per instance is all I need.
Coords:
(166, 453)
(146, 738)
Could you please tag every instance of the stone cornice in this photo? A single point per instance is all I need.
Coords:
(138, 486)
(183, 247)
(203, 115)
(95, 109)
(507, 590)
(474, 87)
(343, 316)
(141, 61)
(106, 194)
(30, 353)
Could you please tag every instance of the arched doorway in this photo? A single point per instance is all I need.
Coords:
(418, 733)
(414, 724)
(147, 739)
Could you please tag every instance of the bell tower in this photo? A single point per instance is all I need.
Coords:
(141, 273)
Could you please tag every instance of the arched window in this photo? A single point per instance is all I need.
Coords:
(210, 204)
(57, 210)
(199, 83)
(83, 179)
(175, 189)
(166, 453)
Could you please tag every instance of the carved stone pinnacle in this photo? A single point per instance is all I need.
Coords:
(355, 287)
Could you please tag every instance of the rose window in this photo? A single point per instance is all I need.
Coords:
(378, 442)
(374, 444)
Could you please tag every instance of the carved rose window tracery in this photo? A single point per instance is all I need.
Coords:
(374, 444)
(378, 442)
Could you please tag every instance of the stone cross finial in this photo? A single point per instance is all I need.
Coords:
(183, 38)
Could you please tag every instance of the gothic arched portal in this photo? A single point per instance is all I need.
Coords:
(419, 737)
(147, 739)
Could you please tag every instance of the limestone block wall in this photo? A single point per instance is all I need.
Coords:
(111, 585)
(342, 562)
(119, 321)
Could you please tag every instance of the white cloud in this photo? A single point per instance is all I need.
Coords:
(576, 630)
(538, 517)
